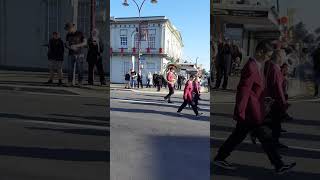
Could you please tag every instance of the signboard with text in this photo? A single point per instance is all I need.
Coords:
(243, 13)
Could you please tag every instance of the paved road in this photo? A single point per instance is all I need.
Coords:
(303, 137)
(150, 141)
(53, 135)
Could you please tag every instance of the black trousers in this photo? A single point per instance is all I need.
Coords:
(191, 103)
(316, 89)
(140, 83)
(171, 92)
(179, 86)
(158, 87)
(91, 65)
(222, 72)
(263, 133)
(275, 124)
(196, 99)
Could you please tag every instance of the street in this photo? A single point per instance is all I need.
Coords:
(303, 139)
(53, 134)
(149, 140)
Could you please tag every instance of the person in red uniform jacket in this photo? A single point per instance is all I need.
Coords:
(187, 96)
(171, 81)
(196, 91)
(274, 89)
(249, 112)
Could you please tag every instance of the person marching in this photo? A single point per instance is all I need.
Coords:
(249, 112)
(196, 91)
(171, 81)
(274, 89)
(187, 97)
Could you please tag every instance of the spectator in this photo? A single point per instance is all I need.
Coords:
(75, 42)
(55, 57)
(127, 79)
(94, 57)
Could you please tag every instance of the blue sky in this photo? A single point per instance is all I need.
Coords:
(191, 18)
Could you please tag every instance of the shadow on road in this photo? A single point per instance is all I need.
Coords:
(246, 147)
(89, 132)
(55, 154)
(172, 114)
(288, 135)
(51, 119)
(255, 173)
(180, 157)
(83, 117)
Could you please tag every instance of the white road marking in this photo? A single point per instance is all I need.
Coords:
(291, 147)
(153, 102)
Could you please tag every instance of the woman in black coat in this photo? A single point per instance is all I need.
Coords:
(94, 57)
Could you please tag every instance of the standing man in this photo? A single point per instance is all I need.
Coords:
(221, 64)
(75, 42)
(94, 57)
(171, 81)
(316, 69)
(179, 82)
(249, 112)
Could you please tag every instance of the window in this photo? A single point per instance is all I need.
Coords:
(84, 17)
(53, 16)
(152, 38)
(123, 38)
(136, 40)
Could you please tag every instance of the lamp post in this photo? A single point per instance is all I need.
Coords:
(139, 6)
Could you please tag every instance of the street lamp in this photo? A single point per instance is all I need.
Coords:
(125, 3)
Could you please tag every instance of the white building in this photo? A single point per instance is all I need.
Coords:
(161, 43)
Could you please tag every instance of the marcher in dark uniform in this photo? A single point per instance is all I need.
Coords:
(155, 82)
(196, 91)
(94, 57)
(250, 112)
(179, 82)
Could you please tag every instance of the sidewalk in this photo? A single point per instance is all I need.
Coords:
(36, 80)
(148, 90)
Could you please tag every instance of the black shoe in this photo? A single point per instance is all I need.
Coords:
(253, 139)
(199, 114)
(285, 168)
(170, 102)
(283, 131)
(49, 82)
(60, 82)
(224, 164)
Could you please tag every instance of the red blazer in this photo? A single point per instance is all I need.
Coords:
(196, 87)
(250, 95)
(274, 86)
(170, 78)
(188, 89)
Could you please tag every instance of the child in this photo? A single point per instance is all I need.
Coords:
(55, 57)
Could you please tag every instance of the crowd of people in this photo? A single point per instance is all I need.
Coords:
(227, 59)
(155, 80)
(76, 44)
(261, 106)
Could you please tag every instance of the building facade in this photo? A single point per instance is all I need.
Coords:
(161, 43)
(25, 26)
(245, 21)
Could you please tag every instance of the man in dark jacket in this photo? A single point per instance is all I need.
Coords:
(55, 56)
(94, 57)
(316, 69)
